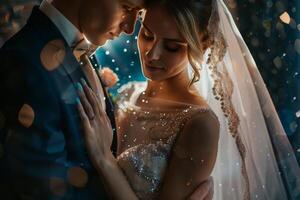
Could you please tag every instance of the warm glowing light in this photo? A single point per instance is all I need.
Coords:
(26, 115)
(285, 18)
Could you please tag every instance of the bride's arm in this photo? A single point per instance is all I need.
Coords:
(193, 157)
(113, 179)
(98, 138)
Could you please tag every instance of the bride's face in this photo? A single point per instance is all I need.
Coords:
(163, 51)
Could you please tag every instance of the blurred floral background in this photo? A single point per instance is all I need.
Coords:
(271, 28)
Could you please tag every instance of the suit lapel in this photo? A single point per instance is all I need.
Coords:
(49, 32)
(109, 108)
(69, 67)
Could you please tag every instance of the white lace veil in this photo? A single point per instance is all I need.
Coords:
(255, 159)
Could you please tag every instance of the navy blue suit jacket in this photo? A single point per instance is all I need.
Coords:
(44, 152)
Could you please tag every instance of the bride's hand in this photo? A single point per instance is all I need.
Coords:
(95, 122)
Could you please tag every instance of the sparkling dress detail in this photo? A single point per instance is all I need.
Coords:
(146, 137)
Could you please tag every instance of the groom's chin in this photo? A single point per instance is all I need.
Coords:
(104, 43)
(95, 41)
(98, 42)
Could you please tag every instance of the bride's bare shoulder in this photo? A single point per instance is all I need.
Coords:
(203, 119)
(202, 129)
(195, 99)
(197, 145)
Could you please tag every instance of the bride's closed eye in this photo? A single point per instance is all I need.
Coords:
(169, 46)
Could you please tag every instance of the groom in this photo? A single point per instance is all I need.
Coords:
(44, 153)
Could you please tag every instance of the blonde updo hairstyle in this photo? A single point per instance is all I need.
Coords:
(192, 18)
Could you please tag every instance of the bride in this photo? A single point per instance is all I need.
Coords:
(203, 111)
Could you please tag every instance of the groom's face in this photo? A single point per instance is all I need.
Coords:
(102, 20)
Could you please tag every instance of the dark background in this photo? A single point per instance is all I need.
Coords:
(275, 46)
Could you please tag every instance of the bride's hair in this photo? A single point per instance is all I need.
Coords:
(192, 18)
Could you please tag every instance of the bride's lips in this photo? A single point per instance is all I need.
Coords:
(153, 68)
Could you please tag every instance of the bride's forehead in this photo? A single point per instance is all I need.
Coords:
(158, 18)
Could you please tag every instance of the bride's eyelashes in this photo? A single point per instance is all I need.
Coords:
(171, 47)
(167, 45)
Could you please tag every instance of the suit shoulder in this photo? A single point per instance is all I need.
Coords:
(20, 39)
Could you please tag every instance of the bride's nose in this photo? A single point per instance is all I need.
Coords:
(153, 52)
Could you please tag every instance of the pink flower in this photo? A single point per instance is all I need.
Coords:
(108, 77)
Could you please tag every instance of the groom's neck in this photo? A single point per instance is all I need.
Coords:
(69, 9)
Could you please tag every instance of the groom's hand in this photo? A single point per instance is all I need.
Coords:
(205, 191)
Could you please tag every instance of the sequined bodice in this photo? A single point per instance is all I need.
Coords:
(146, 139)
(145, 165)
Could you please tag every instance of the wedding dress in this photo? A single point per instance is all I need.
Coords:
(146, 136)
(255, 159)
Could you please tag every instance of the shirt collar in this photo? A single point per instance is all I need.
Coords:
(71, 34)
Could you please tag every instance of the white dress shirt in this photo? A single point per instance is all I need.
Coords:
(72, 36)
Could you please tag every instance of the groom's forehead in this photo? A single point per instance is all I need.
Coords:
(139, 4)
